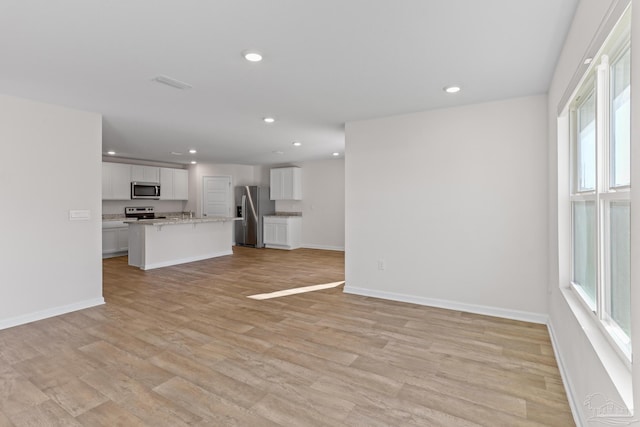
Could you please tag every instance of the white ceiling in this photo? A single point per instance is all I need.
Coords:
(326, 62)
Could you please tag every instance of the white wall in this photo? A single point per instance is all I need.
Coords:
(583, 369)
(262, 175)
(50, 265)
(322, 204)
(453, 202)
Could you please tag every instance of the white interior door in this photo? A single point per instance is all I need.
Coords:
(217, 195)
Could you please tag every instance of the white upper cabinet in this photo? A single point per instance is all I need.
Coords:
(286, 183)
(181, 184)
(116, 181)
(166, 184)
(117, 178)
(174, 184)
(145, 173)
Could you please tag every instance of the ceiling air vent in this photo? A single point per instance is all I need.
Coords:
(171, 82)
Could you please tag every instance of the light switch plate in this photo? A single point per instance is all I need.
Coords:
(79, 215)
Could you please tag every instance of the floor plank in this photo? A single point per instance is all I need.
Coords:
(183, 345)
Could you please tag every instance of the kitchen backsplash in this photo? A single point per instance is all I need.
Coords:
(284, 213)
(116, 207)
(289, 206)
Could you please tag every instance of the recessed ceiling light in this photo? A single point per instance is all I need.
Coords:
(451, 89)
(587, 61)
(193, 162)
(268, 119)
(192, 151)
(296, 143)
(111, 153)
(252, 56)
(336, 154)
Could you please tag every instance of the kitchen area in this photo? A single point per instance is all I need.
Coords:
(152, 216)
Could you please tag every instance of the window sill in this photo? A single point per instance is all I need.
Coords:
(616, 368)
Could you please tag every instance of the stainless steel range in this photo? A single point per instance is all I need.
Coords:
(141, 212)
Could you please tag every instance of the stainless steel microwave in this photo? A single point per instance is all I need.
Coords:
(145, 190)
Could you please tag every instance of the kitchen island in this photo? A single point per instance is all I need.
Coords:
(155, 243)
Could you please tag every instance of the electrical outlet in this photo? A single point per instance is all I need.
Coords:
(380, 264)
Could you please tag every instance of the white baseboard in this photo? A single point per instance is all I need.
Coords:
(574, 404)
(50, 312)
(525, 316)
(281, 247)
(323, 247)
(115, 254)
(186, 260)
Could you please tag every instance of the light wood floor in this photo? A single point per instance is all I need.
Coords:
(184, 346)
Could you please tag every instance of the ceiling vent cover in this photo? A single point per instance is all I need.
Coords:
(171, 82)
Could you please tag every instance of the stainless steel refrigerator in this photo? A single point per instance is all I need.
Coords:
(252, 203)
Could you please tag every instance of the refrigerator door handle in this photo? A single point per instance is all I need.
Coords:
(252, 204)
(244, 209)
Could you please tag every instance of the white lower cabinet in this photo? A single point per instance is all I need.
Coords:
(115, 239)
(282, 232)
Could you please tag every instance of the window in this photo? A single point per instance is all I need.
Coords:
(600, 122)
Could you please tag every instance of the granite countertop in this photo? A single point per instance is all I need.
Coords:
(122, 217)
(285, 215)
(172, 221)
(112, 223)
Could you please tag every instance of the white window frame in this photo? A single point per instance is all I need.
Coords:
(598, 76)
